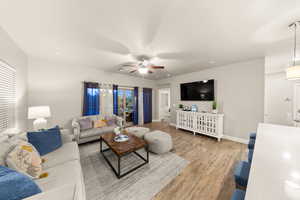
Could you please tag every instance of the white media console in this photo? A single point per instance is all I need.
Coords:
(203, 123)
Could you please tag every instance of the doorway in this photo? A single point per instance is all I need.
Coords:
(125, 104)
(164, 103)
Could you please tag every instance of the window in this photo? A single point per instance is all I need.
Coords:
(91, 99)
(7, 96)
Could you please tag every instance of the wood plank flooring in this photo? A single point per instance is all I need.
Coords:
(209, 174)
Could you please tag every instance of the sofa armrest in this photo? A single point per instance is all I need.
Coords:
(65, 192)
(76, 130)
(66, 136)
(119, 121)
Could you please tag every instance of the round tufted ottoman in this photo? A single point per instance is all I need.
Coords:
(137, 131)
(159, 142)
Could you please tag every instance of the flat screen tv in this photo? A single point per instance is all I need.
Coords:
(198, 91)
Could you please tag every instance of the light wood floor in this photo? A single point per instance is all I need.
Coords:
(209, 174)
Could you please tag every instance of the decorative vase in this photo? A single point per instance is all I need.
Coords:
(117, 130)
(215, 111)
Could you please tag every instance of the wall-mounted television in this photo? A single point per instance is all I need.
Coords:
(198, 91)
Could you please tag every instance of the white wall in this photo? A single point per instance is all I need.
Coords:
(16, 58)
(60, 86)
(278, 90)
(239, 91)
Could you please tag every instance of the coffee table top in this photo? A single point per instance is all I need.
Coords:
(120, 148)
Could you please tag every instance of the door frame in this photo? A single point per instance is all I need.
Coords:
(295, 98)
(160, 92)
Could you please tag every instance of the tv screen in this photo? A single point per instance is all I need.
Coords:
(198, 91)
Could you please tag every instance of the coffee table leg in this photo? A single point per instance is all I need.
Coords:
(101, 145)
(147, 155)
(119, 166)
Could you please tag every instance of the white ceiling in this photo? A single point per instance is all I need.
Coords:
(186, 36)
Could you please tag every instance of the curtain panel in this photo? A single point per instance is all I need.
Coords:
(115, 99)
(91, 100)
(136, 106)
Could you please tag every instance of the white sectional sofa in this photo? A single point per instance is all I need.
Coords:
(65, 179)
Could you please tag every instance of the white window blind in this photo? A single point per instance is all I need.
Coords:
(7, 96)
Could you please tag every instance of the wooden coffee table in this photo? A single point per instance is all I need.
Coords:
(122, 149)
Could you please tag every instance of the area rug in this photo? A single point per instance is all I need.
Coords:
(144, 183)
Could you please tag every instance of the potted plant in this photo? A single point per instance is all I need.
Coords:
(180, 106)
(214, 107)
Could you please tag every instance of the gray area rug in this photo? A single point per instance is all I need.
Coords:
(142, 184)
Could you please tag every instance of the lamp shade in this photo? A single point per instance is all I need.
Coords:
(36, 112)
(293, 73)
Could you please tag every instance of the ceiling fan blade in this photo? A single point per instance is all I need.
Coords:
(102, 43)
(177, 55)
(127, 68)
(154, 21)
(157, 67)
(129, 64)
(132, 71)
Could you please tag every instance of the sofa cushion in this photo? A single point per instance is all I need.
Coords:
(45, 141)
(85, 124)
(65, 192)
(67, 173)
(68, 152)
(25, 158)
(15, 185)
(96, 131)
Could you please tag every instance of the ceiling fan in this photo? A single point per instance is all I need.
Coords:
(143, 65)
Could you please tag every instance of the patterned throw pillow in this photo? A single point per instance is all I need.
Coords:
(110, 121)
(26, 159)
(99, 123)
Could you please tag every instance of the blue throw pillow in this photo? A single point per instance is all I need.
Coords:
(15, 185)
(54, 128)
(45, 141)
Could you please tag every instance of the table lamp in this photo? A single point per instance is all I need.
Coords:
(39, 113)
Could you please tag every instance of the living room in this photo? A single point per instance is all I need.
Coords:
(132, 100)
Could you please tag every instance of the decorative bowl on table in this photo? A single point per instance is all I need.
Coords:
(121, 138)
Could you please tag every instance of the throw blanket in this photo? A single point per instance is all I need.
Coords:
(15, 185)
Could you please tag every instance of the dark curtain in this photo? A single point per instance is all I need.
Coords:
(115, 99)
(136, 106)
(147, 100)
(91, 99)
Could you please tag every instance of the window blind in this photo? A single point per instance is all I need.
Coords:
(7, 96)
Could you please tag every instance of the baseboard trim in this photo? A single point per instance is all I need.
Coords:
(156, 120)
(235, 139)
(172, 124)
(226, 137)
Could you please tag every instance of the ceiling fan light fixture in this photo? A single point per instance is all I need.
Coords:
(145, 63)
(143, 70)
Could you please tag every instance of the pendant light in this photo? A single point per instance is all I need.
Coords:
(293, 72)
